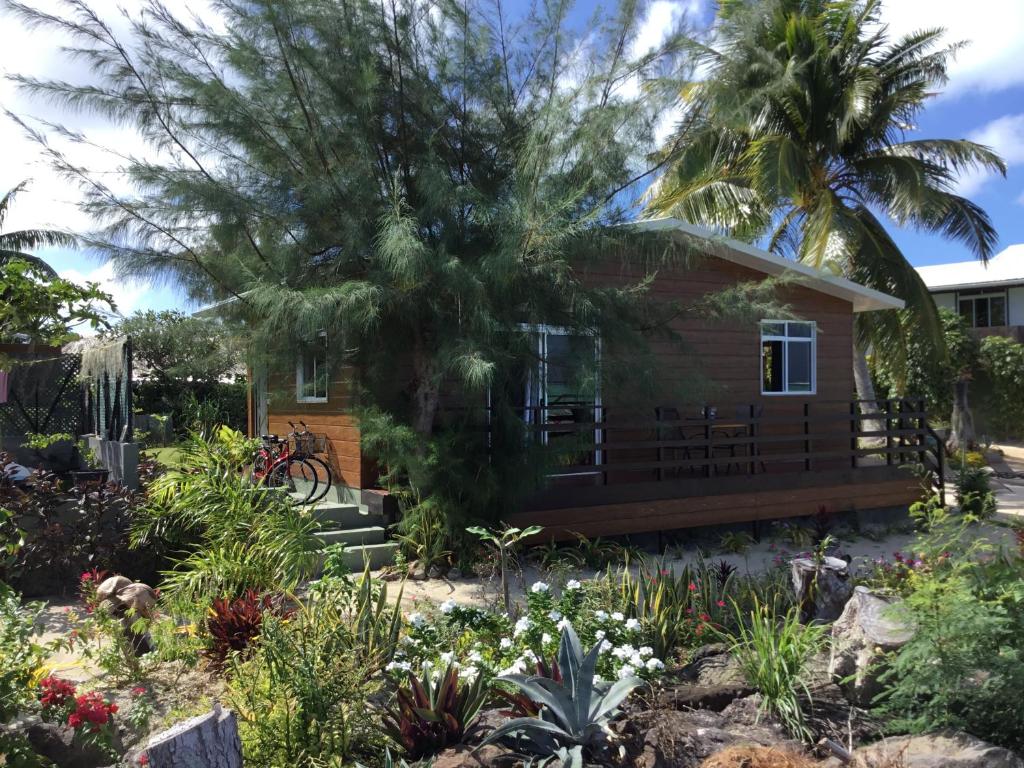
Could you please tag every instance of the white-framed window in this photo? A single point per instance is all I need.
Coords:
(789, 357)
(983, 309)
(311, 377)
(562, 385)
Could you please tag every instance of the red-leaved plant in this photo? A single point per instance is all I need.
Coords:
(233, 624)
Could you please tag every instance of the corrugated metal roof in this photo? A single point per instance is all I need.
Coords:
(1004, 268)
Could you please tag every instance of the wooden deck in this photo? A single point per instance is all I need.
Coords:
(659, 475)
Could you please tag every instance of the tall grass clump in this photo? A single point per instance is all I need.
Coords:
(225, 534)
(773, 650)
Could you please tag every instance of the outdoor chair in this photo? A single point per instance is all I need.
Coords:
(676, 433)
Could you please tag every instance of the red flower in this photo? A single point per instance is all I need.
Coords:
(693, 587)
(705, 617)
(56, 692)
(74, 720)
(720, 603)
(143, 759)
(138, 690)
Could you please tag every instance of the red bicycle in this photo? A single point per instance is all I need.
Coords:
(306, 477)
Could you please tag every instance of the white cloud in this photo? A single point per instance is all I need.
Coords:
(51, 201)
(994, 57)
(1005, 135)
(127, 295)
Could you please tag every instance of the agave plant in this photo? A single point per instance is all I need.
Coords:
(574, 711)
(432, 714)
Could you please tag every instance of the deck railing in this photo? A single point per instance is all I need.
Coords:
(609, 446)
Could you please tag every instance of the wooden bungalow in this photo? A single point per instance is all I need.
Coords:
(781, 435)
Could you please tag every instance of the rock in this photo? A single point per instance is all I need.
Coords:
(668, 738)
(108, 588)
(822, 589)
(712, 666)
(138, 597)
(937, 750)
(435, 572)
(713, 697)
(58, 743)
(862, 634)
(454, 574)
(463, 756)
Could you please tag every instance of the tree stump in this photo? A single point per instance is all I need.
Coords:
(822, 588)
(207, 741)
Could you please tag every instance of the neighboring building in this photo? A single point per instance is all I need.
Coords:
(777, 438)
(989, 297)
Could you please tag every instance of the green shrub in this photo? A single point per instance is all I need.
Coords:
(773, 650)
(21, 655)
(228, 535)
(974, 493)
(303, 696)
(964, 667)
(1002, 386)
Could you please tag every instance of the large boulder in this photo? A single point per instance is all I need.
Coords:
(822, 587)
(936, 750)
(66, 749)
(864, 632)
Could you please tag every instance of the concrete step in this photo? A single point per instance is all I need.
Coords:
(333, 514)
(352, 537)
(379, 555)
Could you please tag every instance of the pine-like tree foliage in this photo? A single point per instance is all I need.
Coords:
(797, 136)
(418, 179)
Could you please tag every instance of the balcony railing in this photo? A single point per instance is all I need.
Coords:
(587, 444)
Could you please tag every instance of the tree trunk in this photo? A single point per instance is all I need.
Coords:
(866, 394)
(210, 740)
(961, 433)
(426, 391)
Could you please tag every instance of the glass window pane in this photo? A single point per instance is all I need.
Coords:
(771, 366)
(967, 310)
(773, 329)
(981, 313)
(799, 363)
(800, 330)
(997, 310)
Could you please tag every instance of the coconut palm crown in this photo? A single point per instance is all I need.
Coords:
(797, 138)
(13, 245)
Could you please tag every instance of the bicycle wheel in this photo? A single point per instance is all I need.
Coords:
(324, 475)
(298, 477)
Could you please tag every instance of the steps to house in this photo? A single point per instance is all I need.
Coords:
(364, 536)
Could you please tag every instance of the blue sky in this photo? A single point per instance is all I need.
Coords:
(984, 101)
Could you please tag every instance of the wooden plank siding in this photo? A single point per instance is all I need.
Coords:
(334, 419)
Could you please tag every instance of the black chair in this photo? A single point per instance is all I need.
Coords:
(675, 433)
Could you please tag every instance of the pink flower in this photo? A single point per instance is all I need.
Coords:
(693, 587)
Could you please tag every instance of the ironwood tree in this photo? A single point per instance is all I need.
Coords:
(418, 180)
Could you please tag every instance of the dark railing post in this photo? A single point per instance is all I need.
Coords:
(129, 417)
(940, 460)
(752, 437)
(603, 433)
(661, 451)
(807, 440)
(922, 432)
(853, 434)
(709, 469)
(888, 432)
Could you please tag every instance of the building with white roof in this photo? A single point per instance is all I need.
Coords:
(989, 296)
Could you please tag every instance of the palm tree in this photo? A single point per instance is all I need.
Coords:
(797, 138)
(14, 244)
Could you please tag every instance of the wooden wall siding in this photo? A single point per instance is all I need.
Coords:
(730, 356)
(869, 491)
(333, 419)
